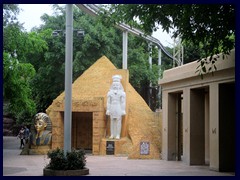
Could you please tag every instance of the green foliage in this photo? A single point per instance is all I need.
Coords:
(50, 64)
(99, 40)
(10, 12)
(74, 160)
(13, 40)
(57, 160)
(19, 48)
(34, 62)
(192, 52)
(16, 88)
(36, 42)
(209, 26)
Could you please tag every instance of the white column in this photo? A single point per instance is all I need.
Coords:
(186, 125)
(165, 125)
(125, 49)
(214, 126)
(150, 54)
(68, 79)
(159, 56)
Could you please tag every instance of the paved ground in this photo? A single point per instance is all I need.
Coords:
(32, 165)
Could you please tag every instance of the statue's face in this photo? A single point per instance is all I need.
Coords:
(40, 125)
(115, 86)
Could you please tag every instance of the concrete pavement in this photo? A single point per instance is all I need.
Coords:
(15, 164)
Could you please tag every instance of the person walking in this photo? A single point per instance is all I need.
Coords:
(26, 134)
(21, 137)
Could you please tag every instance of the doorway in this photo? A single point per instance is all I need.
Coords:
(179, 126)
(227, 127)
(82, 130)
(199, 126)
(175, 126)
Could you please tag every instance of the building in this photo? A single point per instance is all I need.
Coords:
(198, 124)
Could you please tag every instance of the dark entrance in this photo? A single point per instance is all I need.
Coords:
(227, 127)
(197, 126)
(175, 120)
(82, 130)
(179, 126)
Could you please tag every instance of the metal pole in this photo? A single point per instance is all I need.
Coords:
(68, 79)
(150, 65)
(160, 88)
(150, 55)
(159, 61)
(174, 54)
(125, 48)
(182, 54)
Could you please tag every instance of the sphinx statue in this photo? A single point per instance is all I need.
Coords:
(41, 136)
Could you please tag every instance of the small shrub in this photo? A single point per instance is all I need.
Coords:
(74, 160)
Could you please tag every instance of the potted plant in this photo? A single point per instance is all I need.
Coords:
(71, 165)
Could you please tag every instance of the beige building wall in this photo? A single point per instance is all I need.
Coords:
(203, 103)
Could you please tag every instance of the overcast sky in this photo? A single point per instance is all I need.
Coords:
(31, 13)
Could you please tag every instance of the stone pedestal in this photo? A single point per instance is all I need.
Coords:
(37, 150)
(121, 146)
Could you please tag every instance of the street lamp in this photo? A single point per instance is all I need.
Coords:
(80, 32)
(55, 33)
(68, 33)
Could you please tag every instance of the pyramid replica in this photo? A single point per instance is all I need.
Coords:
(141, 128)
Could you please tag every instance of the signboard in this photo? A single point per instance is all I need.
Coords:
(144, 148)
(110, 147)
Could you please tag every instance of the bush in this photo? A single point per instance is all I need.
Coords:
(73, 160)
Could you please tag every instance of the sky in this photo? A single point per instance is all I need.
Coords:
(31, 13)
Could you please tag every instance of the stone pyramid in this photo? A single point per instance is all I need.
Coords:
(142, 125)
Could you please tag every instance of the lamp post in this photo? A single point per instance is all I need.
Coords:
(68, 33)
(68, 76)
(68, 79)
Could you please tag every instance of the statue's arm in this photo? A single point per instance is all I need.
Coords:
(108, 104)
(123, 103)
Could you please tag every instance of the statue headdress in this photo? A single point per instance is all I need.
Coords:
(116, 78)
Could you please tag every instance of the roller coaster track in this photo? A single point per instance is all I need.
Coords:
(93, 10)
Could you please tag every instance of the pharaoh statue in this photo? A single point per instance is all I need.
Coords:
(41, 136)
(116, 104)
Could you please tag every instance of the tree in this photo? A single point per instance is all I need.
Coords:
(16, 90)
(210, 25)
(50, 70)
(99, 40)
(18, 46)
(10, 12)
(192, 52)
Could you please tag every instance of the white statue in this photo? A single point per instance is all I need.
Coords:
(116, 104)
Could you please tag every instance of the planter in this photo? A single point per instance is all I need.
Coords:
(78, 172)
